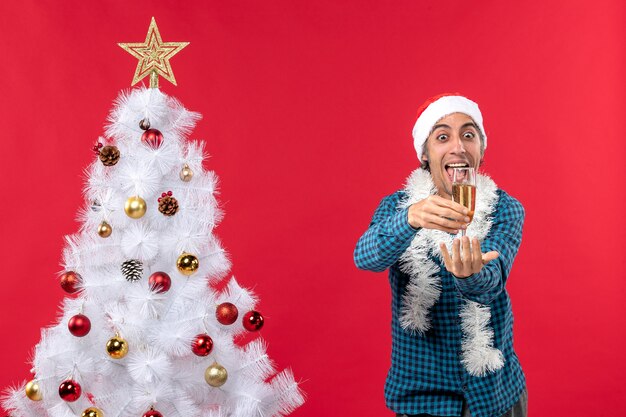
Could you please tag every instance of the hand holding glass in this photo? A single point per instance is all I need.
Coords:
(464, 190)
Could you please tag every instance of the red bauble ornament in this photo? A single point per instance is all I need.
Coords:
(202, 344)
(253, 321)
(226, 313)
(69, 390)
(152, 413)
(70, 281)
(79, 325)
(152, 137)
(160, 282)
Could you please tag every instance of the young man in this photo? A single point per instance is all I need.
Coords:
(452, 325)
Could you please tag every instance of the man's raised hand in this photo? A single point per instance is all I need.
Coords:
(465, 262)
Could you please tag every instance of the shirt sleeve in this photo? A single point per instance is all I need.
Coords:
(504, 237)
(388, 236)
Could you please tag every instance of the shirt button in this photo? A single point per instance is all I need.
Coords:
(464, 387)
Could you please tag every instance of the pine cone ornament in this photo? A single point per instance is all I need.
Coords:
(109, 155)
(132, 270)
(168, 205)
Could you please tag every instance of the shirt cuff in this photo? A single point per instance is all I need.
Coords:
(400, 225)
(466, 285)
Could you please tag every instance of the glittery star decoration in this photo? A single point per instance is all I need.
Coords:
(154, 56)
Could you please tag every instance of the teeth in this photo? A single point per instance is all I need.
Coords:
(457, 165)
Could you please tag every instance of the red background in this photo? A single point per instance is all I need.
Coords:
(308, 108)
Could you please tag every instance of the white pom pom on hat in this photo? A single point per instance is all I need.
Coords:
(441, 106)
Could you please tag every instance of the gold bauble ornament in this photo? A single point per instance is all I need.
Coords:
(105, 229)
(215, 375)
(117, 347)
(135, 207)
(33, 391)
(186, 174)
(187, 264)
(92, 412)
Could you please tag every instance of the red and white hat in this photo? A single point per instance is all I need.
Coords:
(441, 106)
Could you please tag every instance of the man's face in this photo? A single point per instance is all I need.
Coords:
(454, 141)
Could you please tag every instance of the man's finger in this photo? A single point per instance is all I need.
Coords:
(467, 255)
(456, 255)
(451, 214)
(435, 222)
(446, 256)
(476, 256)
(489, 256)
(444, 202)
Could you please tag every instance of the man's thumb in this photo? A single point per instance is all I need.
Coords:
(490, 256)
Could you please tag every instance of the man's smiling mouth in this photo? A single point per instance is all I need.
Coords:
(450, 168)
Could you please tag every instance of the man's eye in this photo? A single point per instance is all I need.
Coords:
(442, 137)
(468, 135)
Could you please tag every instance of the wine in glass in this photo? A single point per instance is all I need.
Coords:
(464, 190)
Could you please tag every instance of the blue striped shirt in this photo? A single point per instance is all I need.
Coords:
(426, 374)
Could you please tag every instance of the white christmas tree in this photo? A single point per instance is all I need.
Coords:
(145, 332)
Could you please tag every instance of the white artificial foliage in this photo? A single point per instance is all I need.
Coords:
(103, 284)
(14, 399)
(87, 250)
(43, 360)
(256, 363)
(171, 401)
(97, 181)
(479, 357)
(143, 302)
(214, 262)
(61, 408)
(137, 179)
(160, 369)
(478, 354)
(162, 160)
(201, 195)
(194, 154)
(285, 396)
(238, 295)
(249, 398)
(215, 413)
(140, 242)
(148, 365)
(185, 235)
(173, 337)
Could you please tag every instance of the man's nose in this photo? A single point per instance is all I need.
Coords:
(458, 146)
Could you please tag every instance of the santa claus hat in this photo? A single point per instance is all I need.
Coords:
(438, 107)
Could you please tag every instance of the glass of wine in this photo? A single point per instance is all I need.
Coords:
(464, 190)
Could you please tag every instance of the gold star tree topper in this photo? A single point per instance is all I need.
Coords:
(154, 56)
